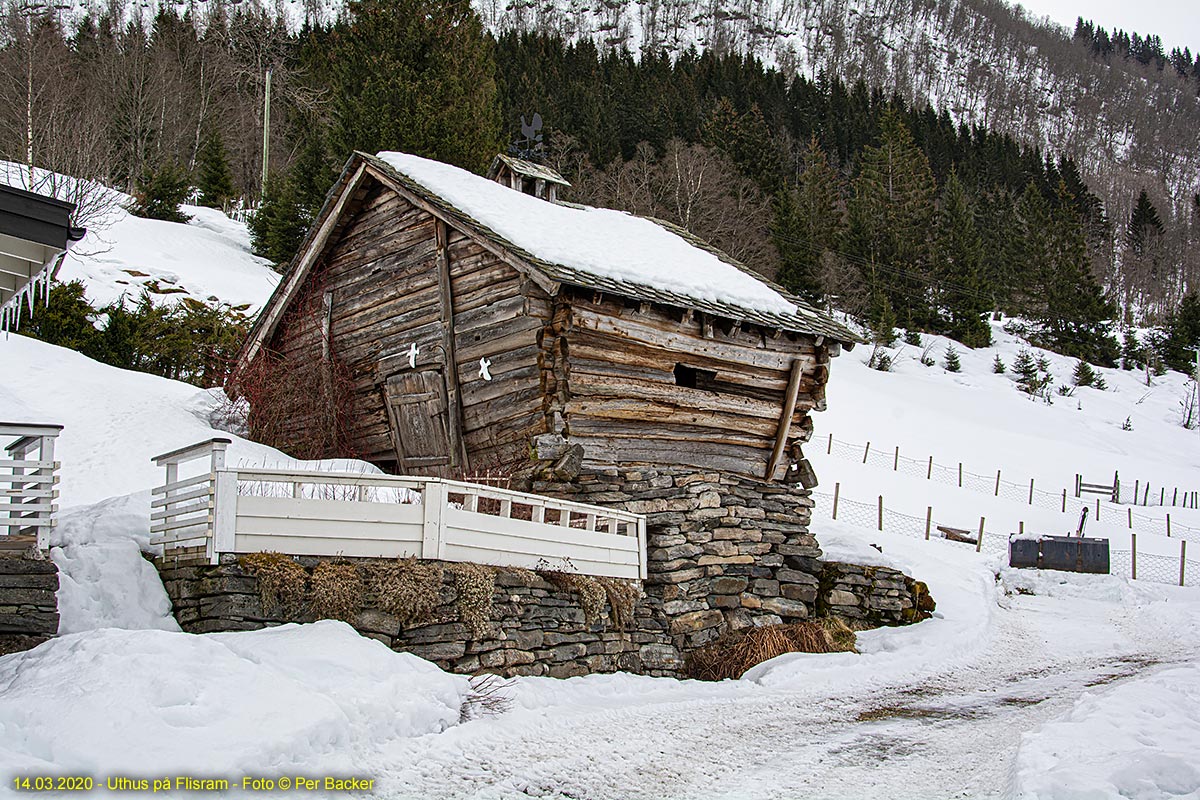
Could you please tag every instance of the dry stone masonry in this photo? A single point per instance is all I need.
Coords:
(28, 601)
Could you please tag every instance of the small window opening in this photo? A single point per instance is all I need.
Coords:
(694, 378)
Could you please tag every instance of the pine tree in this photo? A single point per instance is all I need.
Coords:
(159, 194)
(214, 180)
(1084, 375)
(68, 320)
(1028, 375)
(958, 257)
(281, 222)
(1183, 336)
(952, 362)
(1133, 355)
(998, 365)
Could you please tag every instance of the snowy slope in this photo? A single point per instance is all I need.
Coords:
(208, 259)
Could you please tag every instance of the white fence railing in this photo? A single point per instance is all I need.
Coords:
(317, 513)
(29, 481)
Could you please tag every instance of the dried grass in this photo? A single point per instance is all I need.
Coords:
(408, 589)
(737, 651)
(336, 591)
(475, 586)
(622, 600)
(592, 594)
(281, 581)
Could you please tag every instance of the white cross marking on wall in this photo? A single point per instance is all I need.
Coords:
(483, 369)
(412, 354)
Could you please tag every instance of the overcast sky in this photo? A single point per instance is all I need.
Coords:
(1176, 21)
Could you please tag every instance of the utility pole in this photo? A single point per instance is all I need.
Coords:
(266, 157)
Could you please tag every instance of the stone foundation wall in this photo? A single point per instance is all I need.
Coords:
(872, 595)
(536, 628)
(725, 552)
(28, 602)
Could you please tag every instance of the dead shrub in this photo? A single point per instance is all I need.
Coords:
(336, 591)
(281, 581)
(622, 600)
(592, 594)
(408, 589)
(488, 697)
(475, 586)
(737, 651)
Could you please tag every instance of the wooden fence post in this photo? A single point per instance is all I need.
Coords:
(1162, 495)
(1130, 510)
(866, 452)
(997, 483)
(1064, 501)
(1031, 491)
(837, 487)
(960, 474)
(881, 513)
(1175, 497)
(1146, 495)
(1097, 509)
(1168, 526)
(929, 471)
(434, 501)
(1133, 556)
(896, 460)
(1182, 558)
(830, 450)
(1136, 492)
(1021, 528)
(979, 541)
(928, 520)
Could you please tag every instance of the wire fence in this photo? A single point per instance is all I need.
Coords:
(1153, 567)
(1025, 492)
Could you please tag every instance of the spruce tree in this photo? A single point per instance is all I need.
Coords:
(998, 365)
(890, 217)
(1133, 355)
(958, 256)
(1183, 336)
(952, 362)
(808, 224)
(1084, 375)
(160, 192)
(1026, 370)
(415, 76)
(213, 179)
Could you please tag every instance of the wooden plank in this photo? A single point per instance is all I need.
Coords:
(533, 561)
(785, 420)
(458, 450)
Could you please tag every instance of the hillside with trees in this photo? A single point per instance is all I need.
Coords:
(857, 176)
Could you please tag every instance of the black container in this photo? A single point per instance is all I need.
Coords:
(1063, 553)
(1023, 552)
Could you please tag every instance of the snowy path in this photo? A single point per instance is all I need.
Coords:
(953, 733)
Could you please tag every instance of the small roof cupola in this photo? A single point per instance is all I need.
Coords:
(526, 177)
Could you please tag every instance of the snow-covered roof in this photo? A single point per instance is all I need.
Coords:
(607, 250)
(528, 169)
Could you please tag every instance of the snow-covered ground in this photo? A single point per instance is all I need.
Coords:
(1024, 684)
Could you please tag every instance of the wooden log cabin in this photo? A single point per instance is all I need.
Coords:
(437, 322)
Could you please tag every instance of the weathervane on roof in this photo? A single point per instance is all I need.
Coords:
(530, 146)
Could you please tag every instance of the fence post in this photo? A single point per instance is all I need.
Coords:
(1136, 491)
(1031, 491)
(960, 474)
(837, 487)
(997, 483)
(1175, 497)
(928, 520)
(1146, 495)
(1133, 556)
(896, 460)
(979, 541)
(1162, 495)
(881, 513)
(1130, 510)
(929, 471)
(224, 489)
(1116, 498)
(1182, 558)
(1168, 526)
(1021, 528)
(830, 450)
(866, 452)
(434, 501)
(1064, 501)
(1078, 481)
(1097, 509)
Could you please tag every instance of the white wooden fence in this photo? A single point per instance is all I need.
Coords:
(317, 513)
(29, 481)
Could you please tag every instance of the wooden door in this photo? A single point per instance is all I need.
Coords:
(418, 414)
